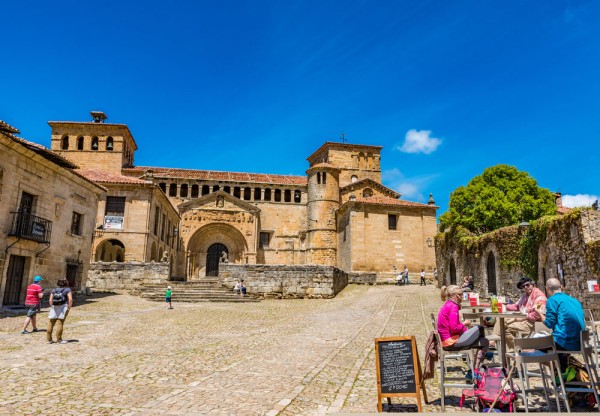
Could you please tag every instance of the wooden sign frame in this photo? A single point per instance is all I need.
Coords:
(418, 374)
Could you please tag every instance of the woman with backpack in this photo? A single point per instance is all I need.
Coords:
(61, 300)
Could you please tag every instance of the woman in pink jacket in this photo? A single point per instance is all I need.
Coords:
(456, 335)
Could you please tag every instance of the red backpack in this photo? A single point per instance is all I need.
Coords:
(488, 383)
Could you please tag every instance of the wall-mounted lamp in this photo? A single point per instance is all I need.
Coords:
(429, 242)
(98, 232)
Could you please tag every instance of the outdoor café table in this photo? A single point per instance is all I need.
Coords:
(501, 317)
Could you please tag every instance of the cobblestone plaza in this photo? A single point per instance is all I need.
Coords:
(129, 356)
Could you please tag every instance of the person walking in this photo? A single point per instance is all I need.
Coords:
(168, 294)
(422, 278)
(406, 282)
(61, 301)
(35, 293)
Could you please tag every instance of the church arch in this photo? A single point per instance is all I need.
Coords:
(205, 237)
(80, 143)
(64, 143)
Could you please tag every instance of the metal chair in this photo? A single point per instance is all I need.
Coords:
(591, 324)
(540, 351)
(447, 381)
(586, 350)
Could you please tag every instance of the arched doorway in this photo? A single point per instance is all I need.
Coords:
(212, 258)
(111, 250)
(491, 274)
(452, 272)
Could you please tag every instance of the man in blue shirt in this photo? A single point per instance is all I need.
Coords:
(564, 315)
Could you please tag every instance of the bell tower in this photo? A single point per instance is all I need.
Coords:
(95, 145)
(323, 201)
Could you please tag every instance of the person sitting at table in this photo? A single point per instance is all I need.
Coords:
(532, 302)
(455, 335)
(467, 284)
(564, 316)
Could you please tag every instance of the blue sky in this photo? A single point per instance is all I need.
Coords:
(447, 88)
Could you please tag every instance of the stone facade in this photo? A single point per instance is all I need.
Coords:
(47, 216)
(126, 276)
(253, 218)
(286, 282)
(569, 249)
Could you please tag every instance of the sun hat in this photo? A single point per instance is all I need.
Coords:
(523, 280)
(37, 279)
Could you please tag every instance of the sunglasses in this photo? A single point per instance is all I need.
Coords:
(526, 285)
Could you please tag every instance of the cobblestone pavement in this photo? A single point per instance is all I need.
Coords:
(129, 356)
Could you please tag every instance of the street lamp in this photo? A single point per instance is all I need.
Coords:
(98, 232)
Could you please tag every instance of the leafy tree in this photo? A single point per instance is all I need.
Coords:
(502, 195)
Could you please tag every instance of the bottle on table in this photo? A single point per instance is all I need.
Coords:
(494, 304)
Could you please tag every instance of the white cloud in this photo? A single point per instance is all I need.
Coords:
(419, 141)
(579, 200)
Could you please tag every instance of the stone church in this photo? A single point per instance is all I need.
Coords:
(338, 214)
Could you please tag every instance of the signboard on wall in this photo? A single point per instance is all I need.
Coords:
(113, 223)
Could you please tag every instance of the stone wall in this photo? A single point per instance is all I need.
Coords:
(565, 247)
(126, 277)
(286, 282)
(364, 278)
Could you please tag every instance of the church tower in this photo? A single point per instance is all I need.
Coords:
(95, 145)
(323, 201)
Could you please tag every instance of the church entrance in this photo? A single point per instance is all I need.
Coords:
(212, 258)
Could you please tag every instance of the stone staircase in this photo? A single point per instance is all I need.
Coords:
(205, 290)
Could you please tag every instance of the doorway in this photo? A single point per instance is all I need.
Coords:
(491, 274)
(452, 272)
(14, 280)
(212, 258)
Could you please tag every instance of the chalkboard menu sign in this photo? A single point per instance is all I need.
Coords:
(398, 369)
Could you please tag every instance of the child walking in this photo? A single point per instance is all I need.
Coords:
(168, 294)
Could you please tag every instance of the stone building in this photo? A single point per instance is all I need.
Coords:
(47, 215)
(338, 215)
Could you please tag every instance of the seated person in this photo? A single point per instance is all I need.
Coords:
(468, 284)
(564, 315)
(455, 335)
(531, 303)
(242, 287)
(238, 287)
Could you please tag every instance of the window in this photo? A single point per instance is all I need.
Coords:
(109, 143)
(227, 189)
(247, 194)
(297, 196)
(267, 194)
(392, 221)
(184, 191)
(287, 195)
(354, 178)
(277, 195)
(205, 190)
(156, 220)
(173, 190)
(115, 206)
(324, 178)
(216, 188)
(257, 194)
(318, 177)
(76, 223)
(64, 143)
(236, 192)
(163, 186)
(195, 191)
(264, 240)
(80, 143)
(94, 143)
(367, 192)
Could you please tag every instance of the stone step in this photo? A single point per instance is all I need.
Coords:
(205, 290)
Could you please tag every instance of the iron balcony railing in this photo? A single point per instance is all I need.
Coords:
(31, 227)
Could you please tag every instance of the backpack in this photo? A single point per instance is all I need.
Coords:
(58, 297)
(488, 383)
(579, 400)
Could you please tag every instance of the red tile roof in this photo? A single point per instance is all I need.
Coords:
(380, 200)
(105, 177)
(562, 210)
(208, 175)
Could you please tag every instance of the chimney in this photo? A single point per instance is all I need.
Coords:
(98, 116)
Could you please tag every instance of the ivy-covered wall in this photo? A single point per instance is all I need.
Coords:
(565, 247)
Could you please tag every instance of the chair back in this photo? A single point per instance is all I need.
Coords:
(538, 343)
(535, 350)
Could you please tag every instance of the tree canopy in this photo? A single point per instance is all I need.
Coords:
(502, 195)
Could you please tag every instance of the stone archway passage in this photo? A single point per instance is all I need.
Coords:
(212, 258)
(452, 272)
(491, 274)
